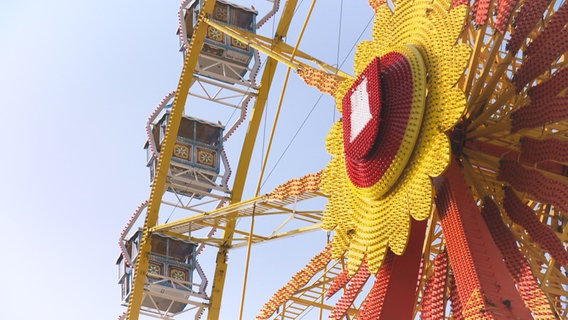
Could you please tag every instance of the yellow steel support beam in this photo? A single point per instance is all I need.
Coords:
(286, 234)
(158, 186)
(232, 207)
(277, 50)
(244, 161)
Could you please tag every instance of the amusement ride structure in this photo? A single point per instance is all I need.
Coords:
(445, 194)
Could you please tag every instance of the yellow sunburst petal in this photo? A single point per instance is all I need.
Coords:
(334, 140)
(356, 254)
(400, 229)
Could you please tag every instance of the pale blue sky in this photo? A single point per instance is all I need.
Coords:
(78, 80)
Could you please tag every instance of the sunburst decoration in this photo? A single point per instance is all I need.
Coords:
(392, 137)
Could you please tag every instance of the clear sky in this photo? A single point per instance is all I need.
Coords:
(78, 80)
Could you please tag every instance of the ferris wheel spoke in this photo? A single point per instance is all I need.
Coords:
(472, 253)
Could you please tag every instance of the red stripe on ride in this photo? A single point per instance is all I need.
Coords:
(396, 92)
(362, 144)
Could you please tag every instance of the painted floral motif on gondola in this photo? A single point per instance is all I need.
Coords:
(178, 275)
(181, 151)
(206, 157)
(214, 34)
(238, 44)
(154, 269)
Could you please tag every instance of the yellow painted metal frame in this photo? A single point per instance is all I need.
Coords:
(158, 186)
(260, 206)
(279, 51)
(244, 161)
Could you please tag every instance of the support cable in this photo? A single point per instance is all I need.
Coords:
(339, 33)
(315, 105)
(334, 113)
(268, 147)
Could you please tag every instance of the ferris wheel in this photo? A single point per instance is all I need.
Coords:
(446, 191)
